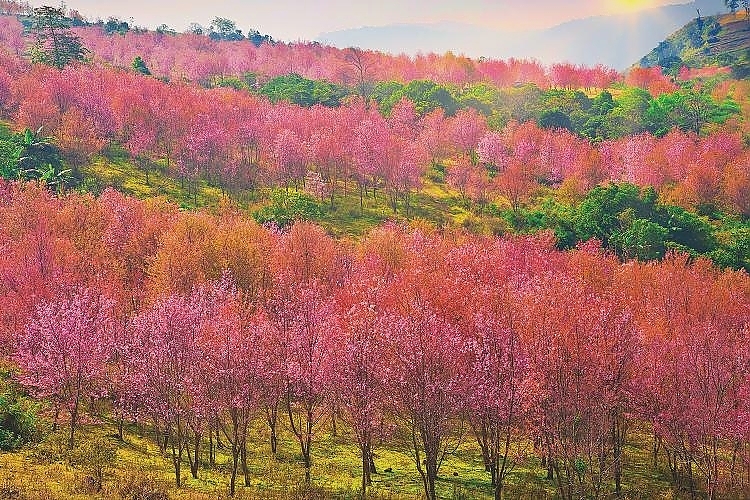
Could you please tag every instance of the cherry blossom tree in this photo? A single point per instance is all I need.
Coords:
(65, 349)
(167, 380)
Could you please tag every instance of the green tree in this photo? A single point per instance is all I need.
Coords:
(114, 25)
(599, 214)
(555, 119)
(483, 97)
(140, 66)
(425, 94)
(302, 91)
(287, 208)
(258, 39)
(628, 115)
(55, 44)
(640, 239)
(225, 29)
(30, 156)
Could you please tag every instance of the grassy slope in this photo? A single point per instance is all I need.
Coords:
(335, 472)
(116, 169)
(434, 201)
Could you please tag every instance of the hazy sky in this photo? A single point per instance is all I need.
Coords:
(298, 19)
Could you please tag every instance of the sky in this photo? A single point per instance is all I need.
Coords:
(292, 20)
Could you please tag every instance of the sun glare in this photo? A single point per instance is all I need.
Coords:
(630, 5)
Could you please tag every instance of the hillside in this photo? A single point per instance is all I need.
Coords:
(289, 271)
(582, 41)
(709, 41)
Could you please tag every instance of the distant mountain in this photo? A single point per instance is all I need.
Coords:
(712, 41)
(615, 40)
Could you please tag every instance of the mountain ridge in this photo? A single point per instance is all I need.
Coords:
(711, 41)
(586, 41)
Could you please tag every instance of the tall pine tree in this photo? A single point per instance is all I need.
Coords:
(55, 44)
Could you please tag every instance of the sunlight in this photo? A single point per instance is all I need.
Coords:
(630, 5)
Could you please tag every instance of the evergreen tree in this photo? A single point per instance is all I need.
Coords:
(139, 65)
(55, 44)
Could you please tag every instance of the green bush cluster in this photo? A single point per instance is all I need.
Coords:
(287, 207)
(632, 222)
(18, 414)
(304, 92)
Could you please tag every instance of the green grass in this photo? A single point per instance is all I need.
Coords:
(335, 470)
(434, 201)
(116, 169)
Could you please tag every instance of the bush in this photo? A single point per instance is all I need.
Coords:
(95, 457)
(287, 208)
(53, 448)
(142, 486)
(436, 173)
(18, 419)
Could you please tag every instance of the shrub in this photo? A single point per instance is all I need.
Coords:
(18, 418)
(53, 448)
(95, 457)
(287, 208)
(142, 486)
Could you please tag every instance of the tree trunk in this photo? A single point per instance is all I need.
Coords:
(177, 458)
(73, 421)
(272, 414)
(308, 464)
(366, 451)
(195, 461)
(233, 477)
(243, 455)
(235, 456)
(211, 455)
(617, 442)
(498, 489)
(120, 425)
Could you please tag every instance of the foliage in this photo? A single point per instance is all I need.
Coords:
(287, 207)
(206, 328)
(405, 335)
(140, 66)
(225, 29)
(298, 90)
(55, 44)
(555, 119)
(58, 357)
(258, 39)
(687, 110)
(18, 416)
(631, 222)
(426, 96)
(114, 25)
(96, 457)
(31, 156)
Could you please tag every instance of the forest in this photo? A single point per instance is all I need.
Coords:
(237, 267)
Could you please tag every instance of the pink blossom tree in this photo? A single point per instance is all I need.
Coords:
(64, 351)
(424, 382)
